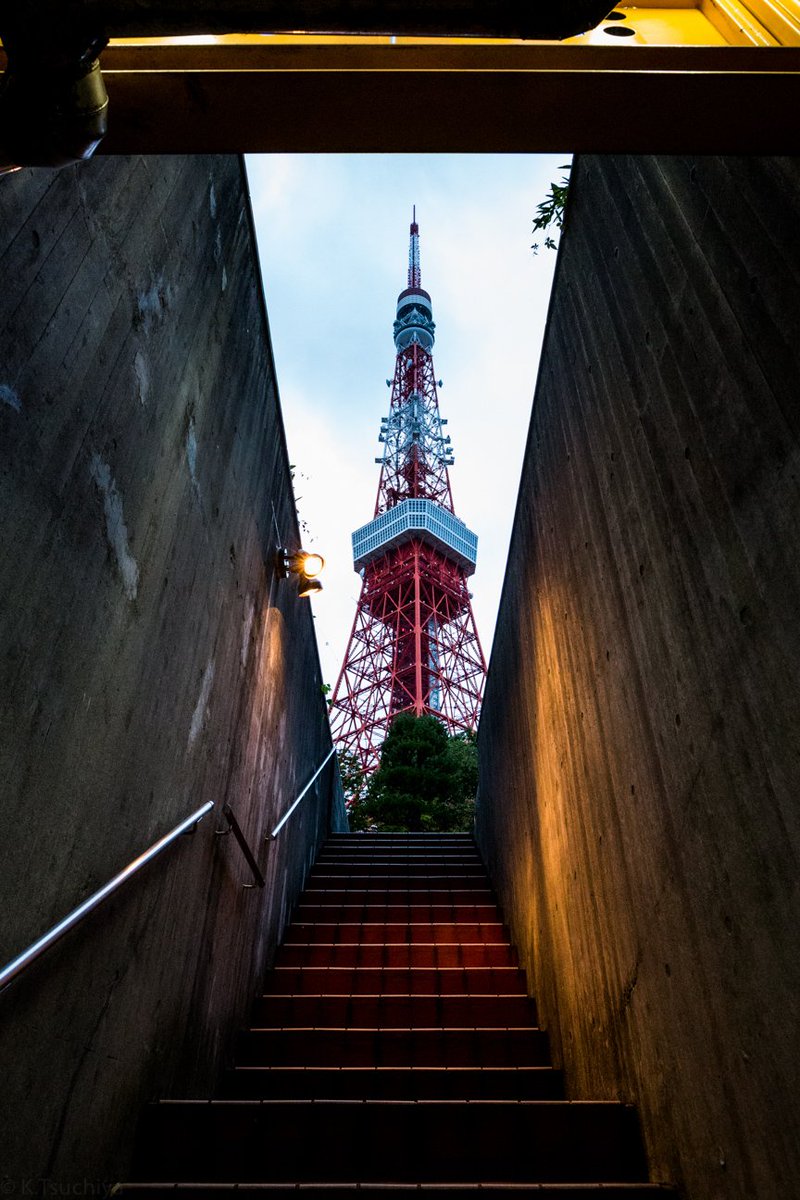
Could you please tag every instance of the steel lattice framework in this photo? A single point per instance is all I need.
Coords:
(414, 646)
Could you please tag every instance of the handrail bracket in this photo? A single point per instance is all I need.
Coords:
(235, 828)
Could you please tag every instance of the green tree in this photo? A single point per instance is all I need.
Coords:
(426, 781)
(354, 781)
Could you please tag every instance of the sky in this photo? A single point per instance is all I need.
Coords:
(333, 236)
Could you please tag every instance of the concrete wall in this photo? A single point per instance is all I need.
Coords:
(640, 739)
(151, 660)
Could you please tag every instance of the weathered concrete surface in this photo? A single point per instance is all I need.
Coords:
(640, 739)
(151, 660)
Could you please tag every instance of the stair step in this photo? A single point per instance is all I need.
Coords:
(297, 1047)
(395, 954)
(401, 835)
(332, 1011)
(410, 850)
(393, 1140)
(376, 933)
(423, 853)
(400, 839)
(399, 1191)
(392, 869)
(341, 892)
(394, 1083)
(337, 912)
(411, 865)
(372, 881)
(372, 981)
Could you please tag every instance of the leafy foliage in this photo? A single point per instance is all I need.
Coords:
(550, 213)
(354, 781)
(426, 781)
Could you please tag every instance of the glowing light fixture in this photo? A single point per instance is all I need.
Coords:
(308, 587)
(312, 564)
(305, 565)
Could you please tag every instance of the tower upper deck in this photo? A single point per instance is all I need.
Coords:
(414, 320)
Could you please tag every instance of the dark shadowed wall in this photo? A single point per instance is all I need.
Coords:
(150, 658)
(640, 739)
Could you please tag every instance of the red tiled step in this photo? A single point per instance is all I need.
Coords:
(352, 848)
(424, 869)
(399, 840)
(404, 867)
(396, 1191)
(374, 933)
(339, 911)
(481, 954)
(342, 892)
(394, 1083)
(447, 981)
(394, 1010)
(440, 853)
(391, 1141)
(416, 837)
(400, 1047)
(373, 881)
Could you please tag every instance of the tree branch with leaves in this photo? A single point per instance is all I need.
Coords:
(550, 213)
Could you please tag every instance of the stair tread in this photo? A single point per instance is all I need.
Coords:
(361, 980)
(403, 1046)
(388, 1009)
(387, 1083)
(442, 1140)
(396, 1028)
(397, 914)
(557, 1106)
(401, 955)
(389, 933)
(558, 1191)
(395, 1070)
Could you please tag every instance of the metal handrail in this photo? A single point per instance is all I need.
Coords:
(271, 836)
(11, 970)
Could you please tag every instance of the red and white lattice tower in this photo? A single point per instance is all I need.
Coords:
(414, 646)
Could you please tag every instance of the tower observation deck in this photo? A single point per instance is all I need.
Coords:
(414, 646)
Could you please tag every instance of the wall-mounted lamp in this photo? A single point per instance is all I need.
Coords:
(305, 565)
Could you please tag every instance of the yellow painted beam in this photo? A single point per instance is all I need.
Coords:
(515, 98)
(661, 76)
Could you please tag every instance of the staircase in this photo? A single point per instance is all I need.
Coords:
(394, 1048)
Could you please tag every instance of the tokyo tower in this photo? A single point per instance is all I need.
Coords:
(414, 646)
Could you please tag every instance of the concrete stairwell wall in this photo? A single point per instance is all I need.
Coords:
(151, 659)
(640, 738)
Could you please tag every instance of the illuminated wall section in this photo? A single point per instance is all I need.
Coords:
(640, 736)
